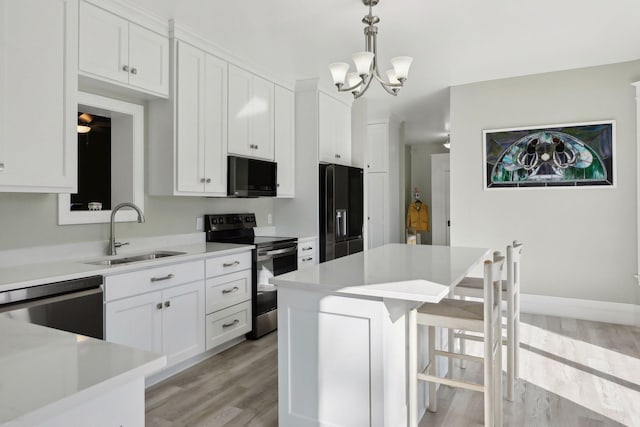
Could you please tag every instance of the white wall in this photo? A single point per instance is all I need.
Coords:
(579, 243)
(421, 178)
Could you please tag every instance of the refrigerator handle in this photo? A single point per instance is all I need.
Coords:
(341, 222)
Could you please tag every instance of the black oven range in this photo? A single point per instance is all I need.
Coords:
(272, 256)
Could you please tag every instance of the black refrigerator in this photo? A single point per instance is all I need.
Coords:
(341, 211)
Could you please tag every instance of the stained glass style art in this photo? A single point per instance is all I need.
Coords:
(573, 155)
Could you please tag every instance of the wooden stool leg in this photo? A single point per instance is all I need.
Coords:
(463, 346)
(510, 348)
(516, 338)
(433, 401)
(413, 369)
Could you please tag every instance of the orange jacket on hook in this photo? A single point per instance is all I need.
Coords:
(418, 216)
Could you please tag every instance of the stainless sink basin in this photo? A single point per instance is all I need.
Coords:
(136, 258)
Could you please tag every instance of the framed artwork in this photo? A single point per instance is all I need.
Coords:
(568, 155)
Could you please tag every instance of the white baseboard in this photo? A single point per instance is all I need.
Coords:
(598, 311)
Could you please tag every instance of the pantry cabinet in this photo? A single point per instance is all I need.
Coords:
(115, 50)
(334, 130)
(38, 96)
(250, 115)
(285, 141)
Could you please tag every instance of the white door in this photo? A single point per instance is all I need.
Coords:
(377, 147)
(375, 209)
(38, 89)
(136, 322)
(241, 109)
(262, 118)
(148, 60)
(284, 140)
(215, 126)
(326, 129)
(190, 119)
(183, 322)
(440, 199)
(447, 202)
(103, 43)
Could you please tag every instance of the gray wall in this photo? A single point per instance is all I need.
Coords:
(580, 243)
(421, 177)
(32, 219)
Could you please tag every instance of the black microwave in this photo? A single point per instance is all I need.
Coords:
(251, 177)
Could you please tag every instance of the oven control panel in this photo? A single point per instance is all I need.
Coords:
(229, 221)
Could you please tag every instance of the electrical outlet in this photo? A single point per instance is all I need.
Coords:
(199, 224)
(269, 219)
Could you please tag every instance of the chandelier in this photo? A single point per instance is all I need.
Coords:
(367, 64)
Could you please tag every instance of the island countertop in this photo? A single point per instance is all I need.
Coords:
(422, 273)
(45, 371)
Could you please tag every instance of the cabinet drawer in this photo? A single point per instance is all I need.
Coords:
(306, 261)
(227, 290)
(227, 324)
(228, 264)
(151, 279)
(306, 248)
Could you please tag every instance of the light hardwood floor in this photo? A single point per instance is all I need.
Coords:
(573, 373)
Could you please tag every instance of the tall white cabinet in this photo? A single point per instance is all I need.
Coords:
(384, 219)
(285, 149)
(334, 130)
(38, 96)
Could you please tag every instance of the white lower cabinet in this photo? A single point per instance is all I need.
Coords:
(307, 252)
(167, 321)
(228, 323)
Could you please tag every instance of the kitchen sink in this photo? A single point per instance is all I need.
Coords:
(136, 258)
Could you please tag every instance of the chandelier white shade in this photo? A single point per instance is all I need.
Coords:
(366, 64)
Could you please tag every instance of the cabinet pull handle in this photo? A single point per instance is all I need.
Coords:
(167, 303)
(1, 166)
(308, 248)
(167, 277)
(228, 325)
(307, 259)
(337, 156)
(134, 71)
(125, 68)
(202, 180)
(159, 306)
(230, 264)
(208, 181)
(228, 291)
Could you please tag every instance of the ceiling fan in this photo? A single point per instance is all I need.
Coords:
(88, 122)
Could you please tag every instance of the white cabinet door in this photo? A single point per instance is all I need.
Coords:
(375, 209)
(377, 147)
(103, 43)
(148, 60)
(215, 126)
(38, 89)
(262, 121)
(250, 119)
(190, 162)
(183, 322)
(334, 130)
(136, 321)
(241, 108)
(285, 141)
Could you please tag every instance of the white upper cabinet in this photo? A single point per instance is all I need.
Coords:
(250, 115)
(377, 147)
(38, 87)
(200, 145)
(115, 50)
(285, 141)
(334, 130)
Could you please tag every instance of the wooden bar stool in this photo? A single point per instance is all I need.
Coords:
(473, 316)
(473, 287)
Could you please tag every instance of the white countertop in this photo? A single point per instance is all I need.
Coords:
(25, 275)
(398, 271)
(45, 371)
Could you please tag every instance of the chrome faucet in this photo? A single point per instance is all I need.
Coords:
(112, 239)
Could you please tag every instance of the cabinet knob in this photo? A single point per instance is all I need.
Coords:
(202, 180)
(125, 68)
(1, 166)
(167, 303)
(337, 156)
(368, 166)
(159, 306)
(134, 71)
(278, 185)
(208, 181)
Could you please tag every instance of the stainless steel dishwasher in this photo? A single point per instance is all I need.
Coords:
(73, 305)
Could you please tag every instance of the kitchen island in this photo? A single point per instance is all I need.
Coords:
(342, 340)
(55, 378)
